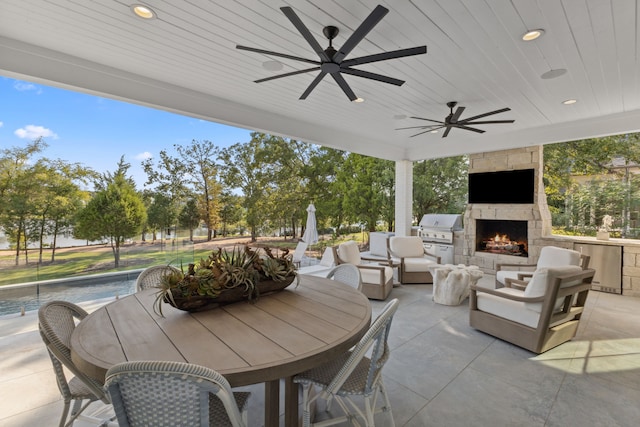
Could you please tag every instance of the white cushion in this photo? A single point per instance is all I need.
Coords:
(370, 275)
(406, 246)
(349, 252)
(378, 243)
(508, 309)
(551, 256)
(538, 284)
(417, 265)
(327, 258)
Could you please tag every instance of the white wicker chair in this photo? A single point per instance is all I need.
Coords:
(353, 374)
(56, 321)
(347, 274)
(150, 277)
(153, 393)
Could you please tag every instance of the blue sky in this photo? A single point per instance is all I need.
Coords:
(97, 131)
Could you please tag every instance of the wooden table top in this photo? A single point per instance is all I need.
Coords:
(280, 335)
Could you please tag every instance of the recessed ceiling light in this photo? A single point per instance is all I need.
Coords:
(570, 101)
(358, 100)
(272, 65)
(552, 74)
(532, 35)
(434, 131)
(142, 11)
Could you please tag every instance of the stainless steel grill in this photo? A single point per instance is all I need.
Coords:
(437, 231)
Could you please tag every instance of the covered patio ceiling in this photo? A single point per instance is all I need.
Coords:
(185, 61)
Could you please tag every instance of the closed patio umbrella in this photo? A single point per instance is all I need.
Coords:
(310, 235)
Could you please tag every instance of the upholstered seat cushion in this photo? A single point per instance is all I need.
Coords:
(373, 276)
(417, 264)
(550, 256)
(406, 246)
(508, 309)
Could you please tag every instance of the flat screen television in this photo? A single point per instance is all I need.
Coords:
(504, 187)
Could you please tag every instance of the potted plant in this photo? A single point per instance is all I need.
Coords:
(226, 277)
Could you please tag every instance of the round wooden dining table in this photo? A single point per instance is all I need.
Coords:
(277, 337)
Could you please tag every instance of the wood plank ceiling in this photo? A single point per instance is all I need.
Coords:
(185, 61)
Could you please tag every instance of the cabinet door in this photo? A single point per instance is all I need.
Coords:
(606, 260)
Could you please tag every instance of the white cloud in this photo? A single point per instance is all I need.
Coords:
(25, 86)
(143, 156)
(33, 132)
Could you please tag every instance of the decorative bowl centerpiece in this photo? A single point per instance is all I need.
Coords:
(225, 277)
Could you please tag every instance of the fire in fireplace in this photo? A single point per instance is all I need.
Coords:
(504, 237)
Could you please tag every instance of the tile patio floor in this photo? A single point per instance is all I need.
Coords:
(441, 371)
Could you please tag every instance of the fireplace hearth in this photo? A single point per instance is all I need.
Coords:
(502, 237)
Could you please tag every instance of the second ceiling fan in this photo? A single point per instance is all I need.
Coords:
(333, 61)
(453, 121)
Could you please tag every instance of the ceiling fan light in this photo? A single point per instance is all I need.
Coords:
(552, 74)
(569, 101)
(532, 34)
(434, 131)
(142, 11)
(358, 100)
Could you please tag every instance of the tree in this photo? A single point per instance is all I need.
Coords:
(189, 216)
(570, 166)
(440, 186)
(161, 213)
(244, 168)
(115, 212)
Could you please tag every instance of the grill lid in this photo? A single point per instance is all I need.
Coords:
(452, 222)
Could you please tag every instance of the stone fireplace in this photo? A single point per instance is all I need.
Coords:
(505, 230)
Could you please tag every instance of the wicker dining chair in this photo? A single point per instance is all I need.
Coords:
(150, 277)
(353, 374)
(347, 274)
(56, 322)
(155, 393)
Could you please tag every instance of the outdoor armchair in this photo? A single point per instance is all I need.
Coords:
(414, 262)
(550, 256)
(377, 280)
(347, 274)
(542, 316)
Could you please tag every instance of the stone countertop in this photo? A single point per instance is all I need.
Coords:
(594, 241)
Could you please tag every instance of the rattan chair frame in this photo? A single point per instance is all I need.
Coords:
(56, 322)
(353, 374)
(347, 274)
(182, 394)
(150, 277)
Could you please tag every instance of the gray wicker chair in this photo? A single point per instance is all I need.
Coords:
(150, 277)
(347, 274)
(154, 393)
(56, 321)
(353, 374)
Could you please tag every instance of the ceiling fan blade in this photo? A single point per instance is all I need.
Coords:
(372, 76)
(469, 128)
(429, 120)
(344, 86)
(281, 55)
(485, 122)
(419, 127)
(361, 32)
(293, 73)
(295, 20)
(384, 56)
(479, 116)
(446, 132)
(428, 130)
(457, 114)
(313, 84)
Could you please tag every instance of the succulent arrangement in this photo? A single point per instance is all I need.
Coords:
(226, 276)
